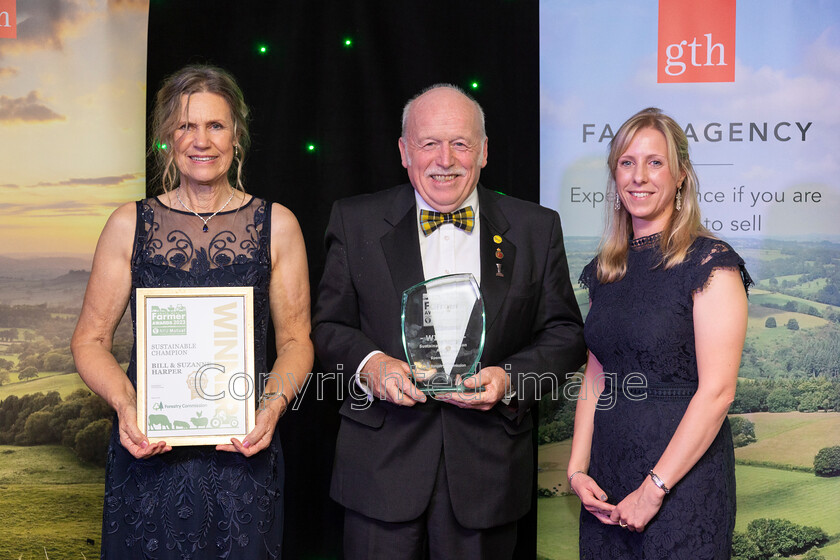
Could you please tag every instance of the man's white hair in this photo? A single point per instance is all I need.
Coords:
(410, 102)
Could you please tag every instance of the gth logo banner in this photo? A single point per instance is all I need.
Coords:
(696, 41)
(8, 19)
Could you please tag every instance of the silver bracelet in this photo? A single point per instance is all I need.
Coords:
(658, 481)
(571, 476)
(270, 396)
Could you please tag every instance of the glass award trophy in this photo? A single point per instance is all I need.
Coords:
(443, 331)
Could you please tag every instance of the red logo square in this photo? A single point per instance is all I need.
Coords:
(8, 19)
(696, 41)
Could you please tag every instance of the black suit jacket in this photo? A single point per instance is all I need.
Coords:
(387, 455)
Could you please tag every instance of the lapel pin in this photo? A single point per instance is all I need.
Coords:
(499, 254)
(499, 270)
(497, 239)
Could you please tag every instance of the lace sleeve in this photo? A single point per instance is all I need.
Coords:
(712, 255)
(589, 276)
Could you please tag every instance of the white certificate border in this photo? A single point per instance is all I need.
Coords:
(246, 294)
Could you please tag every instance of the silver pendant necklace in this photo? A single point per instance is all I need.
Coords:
(200, 217)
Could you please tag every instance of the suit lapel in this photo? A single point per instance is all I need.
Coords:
(495, 280)
(401, 245)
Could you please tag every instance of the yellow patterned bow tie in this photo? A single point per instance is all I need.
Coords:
(463, 219)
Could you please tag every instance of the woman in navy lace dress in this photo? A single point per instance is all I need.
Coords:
(652, 459)
(202, 230)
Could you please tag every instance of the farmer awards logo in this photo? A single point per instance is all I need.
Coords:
(696, 41)
(169, 321)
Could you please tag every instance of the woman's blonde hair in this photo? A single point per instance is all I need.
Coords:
(197, 78)
(684, 225)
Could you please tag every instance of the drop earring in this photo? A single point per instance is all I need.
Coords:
(617, 204)
(679, 199)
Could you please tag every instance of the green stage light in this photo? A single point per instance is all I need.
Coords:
(262, 49)
(474, 86)
(311, 148)
(348, 42)
(161, 146)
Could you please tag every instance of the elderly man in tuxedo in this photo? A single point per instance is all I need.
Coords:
(444, 476)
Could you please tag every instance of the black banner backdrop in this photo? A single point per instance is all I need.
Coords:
(310, 87)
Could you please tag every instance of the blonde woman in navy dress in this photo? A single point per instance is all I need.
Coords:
(202, 229)
(653, 466)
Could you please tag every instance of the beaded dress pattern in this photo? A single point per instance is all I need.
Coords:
(642, 325)
(195, 502)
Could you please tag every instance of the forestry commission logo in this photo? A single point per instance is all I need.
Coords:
(696, 41)
(169, 321)
(8, 19)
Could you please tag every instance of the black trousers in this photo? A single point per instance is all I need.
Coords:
(435, 535)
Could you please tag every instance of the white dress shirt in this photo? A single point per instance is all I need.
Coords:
(447, 250)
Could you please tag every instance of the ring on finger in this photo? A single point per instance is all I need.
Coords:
(622, 524)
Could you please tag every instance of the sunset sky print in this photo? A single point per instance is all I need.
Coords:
(72, 122)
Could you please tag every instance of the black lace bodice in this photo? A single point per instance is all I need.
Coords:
(196, 502)
(643, 323)
(171, 250)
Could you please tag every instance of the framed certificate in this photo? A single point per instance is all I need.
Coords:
(195, 364)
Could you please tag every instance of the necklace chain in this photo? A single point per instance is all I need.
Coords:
(200, 217)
